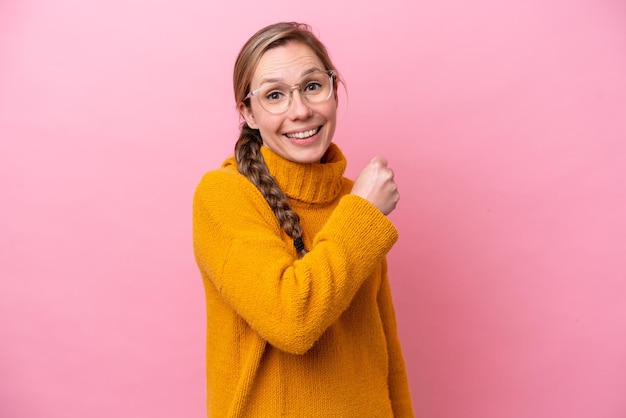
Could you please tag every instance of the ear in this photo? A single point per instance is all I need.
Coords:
(246, 112)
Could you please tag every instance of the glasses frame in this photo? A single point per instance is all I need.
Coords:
(330, 73)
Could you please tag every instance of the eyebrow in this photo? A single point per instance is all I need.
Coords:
(280, 80)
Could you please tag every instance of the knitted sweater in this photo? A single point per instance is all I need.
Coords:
(297, 337)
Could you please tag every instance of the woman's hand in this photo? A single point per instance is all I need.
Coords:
(377, 186)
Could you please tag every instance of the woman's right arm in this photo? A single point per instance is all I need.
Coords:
(289, 301)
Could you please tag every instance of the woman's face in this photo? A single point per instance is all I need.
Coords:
(304, 131)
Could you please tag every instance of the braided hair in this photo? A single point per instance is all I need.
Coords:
(251, 164)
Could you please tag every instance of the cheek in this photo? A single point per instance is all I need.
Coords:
(331, 113)
(269, 124)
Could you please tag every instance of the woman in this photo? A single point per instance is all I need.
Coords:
(300, 319)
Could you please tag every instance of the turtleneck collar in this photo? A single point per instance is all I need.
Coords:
(311, 182)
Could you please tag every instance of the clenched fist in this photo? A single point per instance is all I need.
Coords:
(376, 185)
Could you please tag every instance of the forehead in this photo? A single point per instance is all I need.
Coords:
(286, 63)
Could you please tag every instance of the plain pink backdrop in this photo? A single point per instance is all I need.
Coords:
(504, 121)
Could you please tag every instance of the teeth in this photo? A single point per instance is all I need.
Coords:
(302, 135)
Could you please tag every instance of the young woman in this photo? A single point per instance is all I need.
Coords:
(300, 321)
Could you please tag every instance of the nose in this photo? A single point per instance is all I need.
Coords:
(299, 108)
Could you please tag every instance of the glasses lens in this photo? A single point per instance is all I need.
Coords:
(315, 88)
(274, 97)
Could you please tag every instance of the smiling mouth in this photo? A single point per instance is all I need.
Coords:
(304, 134)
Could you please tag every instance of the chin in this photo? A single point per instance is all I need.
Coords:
(309, 156)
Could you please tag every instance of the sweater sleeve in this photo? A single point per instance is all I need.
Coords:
(399, 392)
(290, 302)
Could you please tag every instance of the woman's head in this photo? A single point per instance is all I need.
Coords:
(285, 63)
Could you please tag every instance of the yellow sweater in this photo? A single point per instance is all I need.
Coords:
(297, 337)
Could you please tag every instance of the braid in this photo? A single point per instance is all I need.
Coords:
(251, 164)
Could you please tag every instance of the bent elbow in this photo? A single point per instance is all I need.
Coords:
(298, 344)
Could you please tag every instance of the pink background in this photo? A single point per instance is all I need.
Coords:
(504, 121)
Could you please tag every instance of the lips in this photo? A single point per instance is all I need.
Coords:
(303, 134)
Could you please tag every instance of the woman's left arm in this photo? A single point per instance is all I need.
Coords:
(397, 380)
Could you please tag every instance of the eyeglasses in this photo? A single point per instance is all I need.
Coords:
(316, 87)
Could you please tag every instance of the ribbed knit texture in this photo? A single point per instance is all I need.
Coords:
(297, 337)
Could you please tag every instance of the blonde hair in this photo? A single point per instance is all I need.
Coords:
(250, 161)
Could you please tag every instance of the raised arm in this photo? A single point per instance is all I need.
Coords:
(290, 302)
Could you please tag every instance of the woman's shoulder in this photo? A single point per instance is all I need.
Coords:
(225, 184)
(225, 175)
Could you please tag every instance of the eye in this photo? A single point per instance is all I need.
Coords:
(274, 95)
(312, 86)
